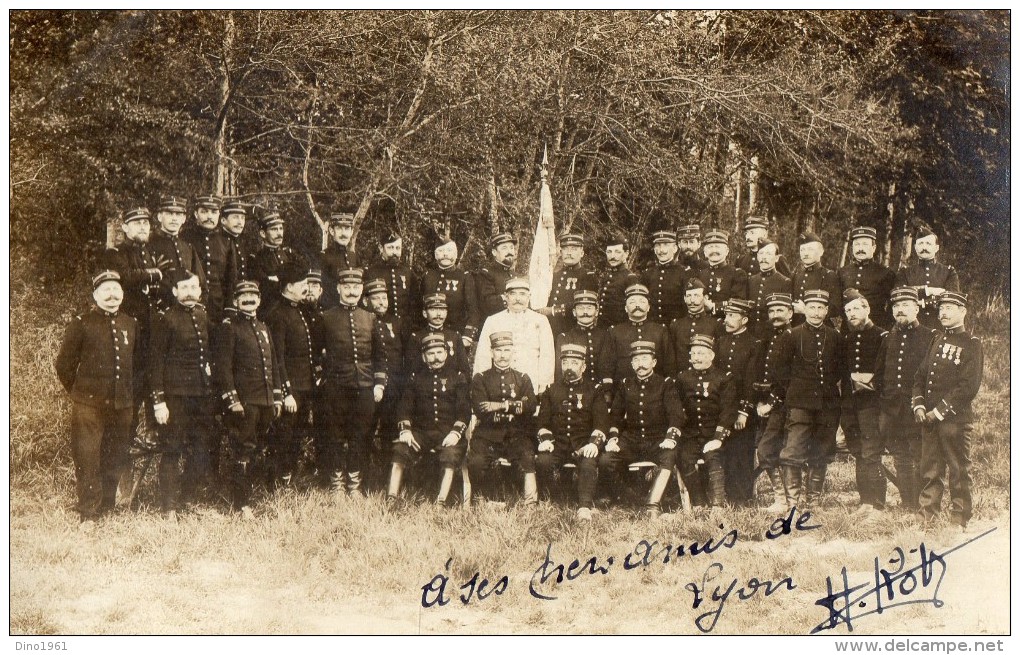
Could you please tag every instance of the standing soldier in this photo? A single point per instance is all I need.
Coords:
(266, 263)
(722, 280)
(353, 350)
(436, 312)
(683, 329)
(809, 373)
(768, 412)
(181, 381)
(166, 244)
(929, 277)
(491, 279)
(709, 398)
(571, 276)
(872, 279)
(690, 249)
(665, 279)
(944, 388)
(764, 283)
(401, 286)
(396, 335)
(248, 382)
(637, 328)
(432, 415)
(897, 362)
(645, 422)
(504, 401)
(458, 290)
(811, 274)
(232, 222)
(756, 233)
(598, 349)
(213, 249)
(95, 365)
(615, 282)
(338, 256)
(735, 350)
(860, 410)
(573, 419)
(312, 310)
(292, 341)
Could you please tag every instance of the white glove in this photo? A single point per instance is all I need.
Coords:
(162, 413)
(589, 450)
(290, 404)
(714, 444)
(764, 409)
(406, 436)
(613, 445)
(668, 444)
(546, 446)
(377, 392)
(451, 439)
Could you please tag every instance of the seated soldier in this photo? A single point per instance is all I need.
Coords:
(504, 401)
(644, 420)
(433, 414)
(572, 420)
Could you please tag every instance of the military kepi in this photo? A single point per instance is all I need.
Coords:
(436, 301)
(953, 298)
(864, 232)
(703, 340)
(246, 286)
(173, 204)
(430, 341)
(575, 350)
(135, 214)
(500, 339)
(497, 240)
(586, 297)
(105, 276)
(904, 293)
(816, 295)
(349, 276)
(518, 283)
(780, 299)
(375, 286)
(642, 348)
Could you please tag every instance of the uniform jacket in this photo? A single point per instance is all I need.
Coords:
(534, 348)
(490, 285)
(352, 347)
(759, 286)
(897, 361)
(247, 369)
(748, 262)
(456, 355)
(665, 284)
(680, 332)
(438, 402)
(510, 385)
(764, 371)
(95, 363)
(645, 410)
(461, 298)
(214, 249)
(401, 288)
(723, 282)
(817, 277)
(950, 375)
(623, 334)
(928, 273)
(143, 296)
(611, 300)
(264, 266)
(734, 354)
(567, 280)
(180, 358)
(875, 282)
(181, 255)
(810, 367)
(599, 357)
(861, 352)
(335, 258)
(709, 399)
(572, 415)
(292, 340)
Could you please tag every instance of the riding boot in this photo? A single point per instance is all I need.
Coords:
(792, 476)
(815, 484)
(778, 491)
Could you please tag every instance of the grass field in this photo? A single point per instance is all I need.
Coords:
(312, 564)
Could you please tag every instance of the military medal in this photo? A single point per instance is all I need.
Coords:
(579, 405)
(959, 351)
(208, 371)
(442, 381)
(124, 332)
(704, 386)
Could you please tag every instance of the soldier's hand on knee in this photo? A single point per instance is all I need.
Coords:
(237, 410)
(589, 450)
(451, 439)
(162, 413)
(764, 409)
(290, 404)
(741, 422)
(613, 445)
(714, 444)
(546, 446)
(667, 443)
(407, 437)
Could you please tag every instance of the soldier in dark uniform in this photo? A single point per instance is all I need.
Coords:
(458, 289)
(352, 344)
(944, 388)
(292, 341)
(436, 312)
(570, 277)
(433, 415)
(897, 362)
(614, 283)
(95, 365)
(504, 402)
(766, 408)
(180, 363)
(764, 283)
(338, 256)
(266, 263)
(811, 274)
(697, 321)
(573, 419)
(248, 382)
(709, 398)
(809, 372)
(491, 279)
(401, 286)
(722, 280)
(645, 422)
(232, 222)
(166, 244)
(213, 248)
(929, 277)
(598, 354)
(860, 410)
(756, 233)
(637, 328)
(872, 279)
(312, 309)
(665, 279)
(735, 348)
(690, 249)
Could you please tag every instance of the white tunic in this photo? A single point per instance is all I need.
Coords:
(534, 349)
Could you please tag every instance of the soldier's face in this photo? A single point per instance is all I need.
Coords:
(505, 253)
(926, 247)
(207, 218)
(297, 290)
(313, 292)
(815, 312)
(572, 367)
(905, 312)
(341, 234)
(585, 313)
(637, 307)
(350, 292)
(811, 253)
(857, 313)
(733, 321)
(571, 255)
(616, 255)
(517, 299)
(436, 316)
(137, 231)
(643, 364)
(690, 245)
(716, 252)
(171, 221)
(248, 302)
(435, 357)
(863, 247)
(379, 303)
(780, 315)
(694, 299)
(446, 255)
(502, 356)
(951, 315)
(665, 251)
(233, 223)
(754, 236)
(767, 257)
(273, 235)
(392, 251)
(188, 292)
(109, 295)
(701, 357)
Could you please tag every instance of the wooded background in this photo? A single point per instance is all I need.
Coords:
(820, 120)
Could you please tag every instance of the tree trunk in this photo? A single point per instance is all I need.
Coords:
(892, 216)
(222, 163)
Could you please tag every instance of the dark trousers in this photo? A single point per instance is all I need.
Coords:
(431, 442)
(810, 437)
(100, 438)
(902, 437)
(771, 438)
(690, 451)
(186, 435)
(946, 444)
(611, 464)
(482, 454)
(738, 455)
(864, 440)
(348, 428)
(248, 440)
(288, 435)
(551, 473)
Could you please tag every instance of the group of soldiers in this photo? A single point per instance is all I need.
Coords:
(694, 366)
